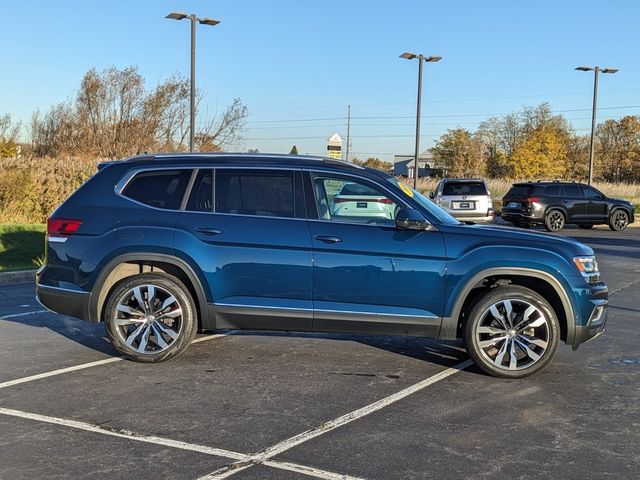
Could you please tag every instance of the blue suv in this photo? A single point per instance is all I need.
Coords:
(160, 246)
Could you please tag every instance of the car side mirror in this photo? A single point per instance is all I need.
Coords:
(432, 195)
(410, 219)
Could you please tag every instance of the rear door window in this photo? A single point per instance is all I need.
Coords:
(158, 188)
(552, 191)
(572, 191)
(265, 193)
(464, 188)
(201, 197)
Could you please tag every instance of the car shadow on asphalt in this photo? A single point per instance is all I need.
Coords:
(446, 353)
(90, 335)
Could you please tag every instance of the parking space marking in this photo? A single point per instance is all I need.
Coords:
(60, 371)
(306, 470)
(167, 442)
(23, 314)
(124, 434)
(269, 452)
(83, 366)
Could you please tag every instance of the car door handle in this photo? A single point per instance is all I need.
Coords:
(208, 230)
(328, 239)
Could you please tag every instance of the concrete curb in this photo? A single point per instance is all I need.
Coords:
(21, 276)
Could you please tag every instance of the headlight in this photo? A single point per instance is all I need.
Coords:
(588, 267)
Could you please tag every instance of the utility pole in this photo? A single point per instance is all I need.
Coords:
(346, 156)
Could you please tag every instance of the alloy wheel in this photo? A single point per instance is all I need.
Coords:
(148, 319)
(620, 220)
(513, 334)
(555, 221)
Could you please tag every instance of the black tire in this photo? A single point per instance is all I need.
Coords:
(585, 226)
(484, 331)
(554, 220)
(150, 317)
(618, 220)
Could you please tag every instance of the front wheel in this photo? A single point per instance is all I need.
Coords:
(150, 317)
(512, 332)
(619, 220)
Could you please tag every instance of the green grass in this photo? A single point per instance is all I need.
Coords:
(20, 244)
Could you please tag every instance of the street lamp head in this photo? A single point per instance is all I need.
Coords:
(609, 70)
(433, 59)
(208, 21)
(584, 69)
(177, 16)
(408, 55)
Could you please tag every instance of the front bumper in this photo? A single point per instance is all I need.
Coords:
(593, 308)
(594, 327)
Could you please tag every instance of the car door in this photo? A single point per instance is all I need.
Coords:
(596, 204)
(368, 276)
(574, 202)
(245, 228)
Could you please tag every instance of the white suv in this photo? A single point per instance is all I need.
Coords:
(466, 199)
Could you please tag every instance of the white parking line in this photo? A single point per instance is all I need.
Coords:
(61, 371)
(167, 442)
(23, 314)
(285, 445)
(124, 434)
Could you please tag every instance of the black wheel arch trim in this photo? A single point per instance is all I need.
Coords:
(94, 314)
(449, 327)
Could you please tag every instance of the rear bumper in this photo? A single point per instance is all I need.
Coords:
(473, 216)
(515, 216)
(64, 301)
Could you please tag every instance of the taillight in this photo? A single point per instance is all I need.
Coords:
(533, 199)
(62, 227)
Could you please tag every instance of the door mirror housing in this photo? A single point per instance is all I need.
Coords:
(432, 195)
(410, 219)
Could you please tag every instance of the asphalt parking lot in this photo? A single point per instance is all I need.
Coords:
(294, 406)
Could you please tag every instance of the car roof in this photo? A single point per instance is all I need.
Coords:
(462, 180)
(547, 182)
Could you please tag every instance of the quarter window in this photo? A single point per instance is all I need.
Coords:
(342, 200)
(158, 188)
(552, 191)
(266, 193)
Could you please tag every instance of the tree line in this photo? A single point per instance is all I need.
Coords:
(537, 144)
(113, 115)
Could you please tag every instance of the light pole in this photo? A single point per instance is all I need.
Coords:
(596, 70)
(203, 21)
(421, 58)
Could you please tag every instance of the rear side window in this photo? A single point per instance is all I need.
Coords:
(464, 188)
(266, 193)
(572, 191)
(525, 191)
(158, 188)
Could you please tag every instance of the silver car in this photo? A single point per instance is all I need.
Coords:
(465, 199)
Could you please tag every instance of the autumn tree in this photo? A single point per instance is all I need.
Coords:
(114, 115)
(373, 162)
(540, 155)
(618, 149)
(460, 153)
(9, 131)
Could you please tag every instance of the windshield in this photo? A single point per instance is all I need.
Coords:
(440, 215)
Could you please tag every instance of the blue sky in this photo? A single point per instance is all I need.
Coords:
(298, 64)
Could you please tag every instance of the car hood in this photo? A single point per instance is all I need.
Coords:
(468, 237)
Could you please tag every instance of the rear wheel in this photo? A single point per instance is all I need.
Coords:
(585, 226)
(554, 220)
(150, 317)
(619, 220)
(512, 332)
